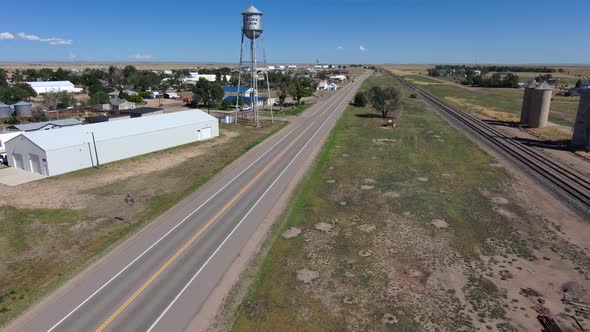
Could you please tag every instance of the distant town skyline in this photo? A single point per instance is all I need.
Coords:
(332, 31)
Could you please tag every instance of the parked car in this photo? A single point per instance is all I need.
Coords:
(3, 159)
(245, 108)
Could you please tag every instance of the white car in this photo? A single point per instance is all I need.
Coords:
(246, 108)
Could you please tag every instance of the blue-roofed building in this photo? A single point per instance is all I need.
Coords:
(232, 91)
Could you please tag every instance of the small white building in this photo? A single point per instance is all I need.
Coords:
(194, 77)
(338, 78)
(54, 86)
(54, 152)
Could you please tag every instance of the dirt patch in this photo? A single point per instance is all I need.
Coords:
(423, 179)
(307, 276)
(291, 233)
(366, 187)
(500, 200)
(440, 223)
(324, 227)
(71, 191)
(391, 194)
(383, 141)
(367, 228)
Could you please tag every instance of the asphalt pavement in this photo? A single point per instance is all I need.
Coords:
(158, 279)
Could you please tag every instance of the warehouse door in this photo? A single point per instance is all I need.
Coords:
(206, 133)
(18, 161)
(35, 163)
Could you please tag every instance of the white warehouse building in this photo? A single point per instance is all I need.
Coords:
(64, 150)
(54, 86)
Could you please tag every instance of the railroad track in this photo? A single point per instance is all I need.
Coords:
(567, 183)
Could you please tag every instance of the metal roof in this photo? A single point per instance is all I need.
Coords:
(119, 101)
(49, 84)
(231, 88)
(531, 84)
(544, 86)
(39, 125)
(22, 103)
(252, 10)
(71, 136)
(142, 110)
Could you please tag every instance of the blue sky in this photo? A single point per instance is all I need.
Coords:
(333, 31)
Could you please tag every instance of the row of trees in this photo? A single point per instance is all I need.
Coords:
(462, 70)
(495, 81)
(385, 101)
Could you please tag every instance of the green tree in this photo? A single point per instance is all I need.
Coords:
(386, 101)
(129, 71)
(360, 99)
(510, 81)
(302, 87)
(17, 76)
(16, 93)
(322, 75)
(39, 115)
(99, 97)
(207, 93)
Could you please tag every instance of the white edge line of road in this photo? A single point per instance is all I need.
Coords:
(240, 222)
(170, 231)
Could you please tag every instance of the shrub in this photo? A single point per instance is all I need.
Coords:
(360, 99)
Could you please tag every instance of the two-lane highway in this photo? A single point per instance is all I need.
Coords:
(159, 279)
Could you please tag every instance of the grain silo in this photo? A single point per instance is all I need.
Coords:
(22, 109)
(541, 103)
(581, 136)
(5, 111)
(527, 100)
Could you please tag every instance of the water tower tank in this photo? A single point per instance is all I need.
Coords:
(5, 111)
(252, 25)
(23, 109)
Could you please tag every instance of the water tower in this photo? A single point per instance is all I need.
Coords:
(252, 30)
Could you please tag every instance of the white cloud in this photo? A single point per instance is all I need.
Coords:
(363, 49)
(56, 41)
(50, 41)
(72, 56)
(139, 56)
(23, 35)
(6, 35)
(340, 48)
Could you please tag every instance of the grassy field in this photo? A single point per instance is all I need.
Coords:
(287, 111)
(497, 103)
(41, 248)
(407, 230)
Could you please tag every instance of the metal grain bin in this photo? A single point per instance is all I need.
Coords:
(22, 109)
(5, 111)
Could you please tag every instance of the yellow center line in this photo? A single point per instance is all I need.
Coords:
(197, 234)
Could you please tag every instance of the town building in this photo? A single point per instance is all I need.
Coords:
(54, 86)
(139, 112)
(53, 152)
(45, 125)
(117, 105)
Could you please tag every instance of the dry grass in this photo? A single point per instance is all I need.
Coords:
(552, 134)
(370, 217)
(41, 247)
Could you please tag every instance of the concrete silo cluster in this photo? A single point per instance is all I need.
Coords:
(581, 136)
(536, 104)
